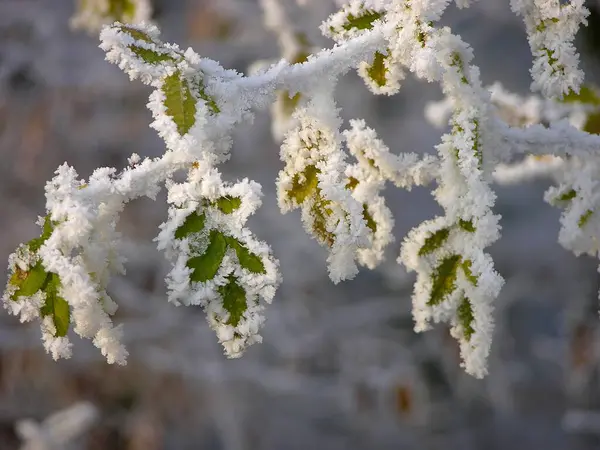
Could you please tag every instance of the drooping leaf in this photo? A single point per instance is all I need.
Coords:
(228, 204)
(234, 300)
(194, 223)
(435, 241)
(247, 259)
(56, 306)
(179, 102)
(444, 280)
(206, 266)
(30, 281)
(466, 318)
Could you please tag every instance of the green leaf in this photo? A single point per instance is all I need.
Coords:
(210, 102)
(206, 266)
(352, 183)
(121, 10)
(150, 56)
(29, 282)
(57, 307)
(377, 71)
(444, 280)
(193, 223)
(247, 260)
(47, 229)
(466, 225)
(371, 224)
(228, 204)
(435, 241)
(179, 102)
(302, 189)
(587, 95)
(466, 318)
(363, 21)
(234, 300)
(476, 149)
(466, 266)
(569, 195)
(320, 212)
(592, 124)
(289, 103)
(135, 34)
(585, 217)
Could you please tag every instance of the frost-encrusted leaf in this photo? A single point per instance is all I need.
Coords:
(206, 266)
(585, 217)
(194, 223)
(377, 70)
(466, 266)
(228, 204)
(354, 18)
(435, 241)
(371, 224)
(56, 307)
(467, 225)
(179, 102)
(304, 184)
(150, 56)
(569, 195)
(363, 21)
(47, 229)
(466, 318)
(246, 259)
(444, 279)
(218, 264)
(234, 300)
(320, 211)
(30, 281)
(135, 33)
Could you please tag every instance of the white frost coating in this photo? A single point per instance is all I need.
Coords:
(61, 277)
(91, 15)
(314, 179)
(200, 196)
(551, 28)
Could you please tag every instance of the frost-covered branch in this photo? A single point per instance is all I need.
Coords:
(334, 176)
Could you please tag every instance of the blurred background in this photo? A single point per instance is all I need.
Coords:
(340, 366)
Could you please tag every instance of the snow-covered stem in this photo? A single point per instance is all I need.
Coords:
(334, 176)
